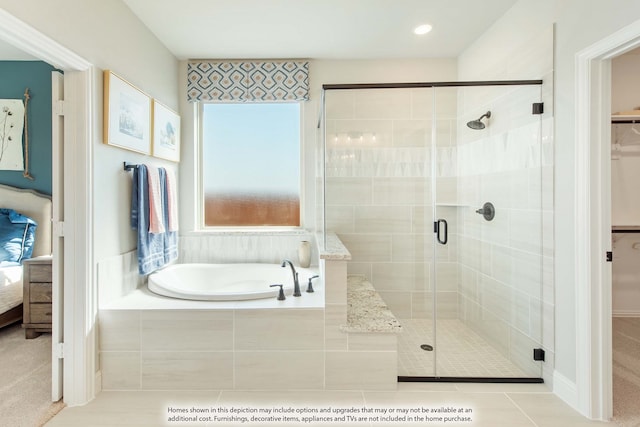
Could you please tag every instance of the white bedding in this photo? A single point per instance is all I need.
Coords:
(10, 287)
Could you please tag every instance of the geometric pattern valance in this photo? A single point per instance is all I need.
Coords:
(248, 81)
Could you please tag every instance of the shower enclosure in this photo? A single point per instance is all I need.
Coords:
(436, 189)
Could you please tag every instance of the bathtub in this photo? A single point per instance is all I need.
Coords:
(224, 282)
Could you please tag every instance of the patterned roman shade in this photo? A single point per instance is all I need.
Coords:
(248, 81)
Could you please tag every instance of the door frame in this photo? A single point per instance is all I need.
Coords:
(592, 213)
(80, 307)
(57, 191)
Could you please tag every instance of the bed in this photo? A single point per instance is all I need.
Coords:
(36, 206)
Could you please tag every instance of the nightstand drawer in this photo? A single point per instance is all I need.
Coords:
(40, 313)
(40, 273)
(37, 301)
(40, 292)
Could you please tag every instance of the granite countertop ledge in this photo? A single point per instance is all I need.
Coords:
(366, 311)
(335, 249)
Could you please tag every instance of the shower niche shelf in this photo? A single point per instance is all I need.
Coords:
(453, 204)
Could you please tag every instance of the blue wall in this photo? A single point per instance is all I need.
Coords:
(15, 77)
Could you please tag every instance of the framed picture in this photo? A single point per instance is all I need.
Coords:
(127, 115)
(166, 133)
(11, 132)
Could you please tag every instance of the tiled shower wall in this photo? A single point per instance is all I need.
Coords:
(378, 191)
(501, 262)
(378, 200)
(528, 56)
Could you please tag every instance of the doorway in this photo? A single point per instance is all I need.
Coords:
(593, 274)
(79, 308)
(29, 368)
(625, 214)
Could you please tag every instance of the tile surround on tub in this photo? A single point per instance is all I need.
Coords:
(233, 247)
(211, 349)
(336, 276)
(361, 370)
(149, 342)
(293, 358)
(119, 330)
(185, 330)
(186, 370)
(256, 330)
(334, 338)
(120, 370)
(279, 370)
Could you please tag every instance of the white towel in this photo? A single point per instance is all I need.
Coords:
(172, 200)
(156, 211)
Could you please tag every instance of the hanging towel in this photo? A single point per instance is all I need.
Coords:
(156, 196)
(151, 247)
(172, 200)
(170, 242)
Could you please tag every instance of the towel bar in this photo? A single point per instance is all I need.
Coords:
(128, 166)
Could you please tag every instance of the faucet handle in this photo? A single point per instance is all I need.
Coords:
(281, 293)
(309, 286)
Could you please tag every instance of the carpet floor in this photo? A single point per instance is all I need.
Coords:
(626, 371)
(25, 369)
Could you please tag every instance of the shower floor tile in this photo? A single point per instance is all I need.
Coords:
(461, 352)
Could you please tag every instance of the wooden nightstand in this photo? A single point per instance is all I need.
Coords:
(36, 283)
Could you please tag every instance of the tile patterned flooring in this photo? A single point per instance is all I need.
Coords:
(461, 352)
(491, 405)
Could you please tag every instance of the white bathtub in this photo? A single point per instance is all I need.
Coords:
(224, 282)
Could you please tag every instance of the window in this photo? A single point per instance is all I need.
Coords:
(251, 164)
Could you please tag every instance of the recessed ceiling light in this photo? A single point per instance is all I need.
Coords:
(422, 29)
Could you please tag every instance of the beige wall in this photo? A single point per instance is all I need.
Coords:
(107, 34)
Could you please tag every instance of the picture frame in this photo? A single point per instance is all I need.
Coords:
(127, 115)
(166, 132)
(12, 116)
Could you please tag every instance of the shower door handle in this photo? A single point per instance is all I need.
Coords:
(441, 229)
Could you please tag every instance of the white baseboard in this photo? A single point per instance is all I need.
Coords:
(565, 389)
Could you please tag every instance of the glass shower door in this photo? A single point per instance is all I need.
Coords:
(437, 192)
(487, 287)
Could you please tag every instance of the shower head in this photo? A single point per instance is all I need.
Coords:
(477, 124)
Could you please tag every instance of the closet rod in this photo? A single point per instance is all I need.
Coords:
(619, 229)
